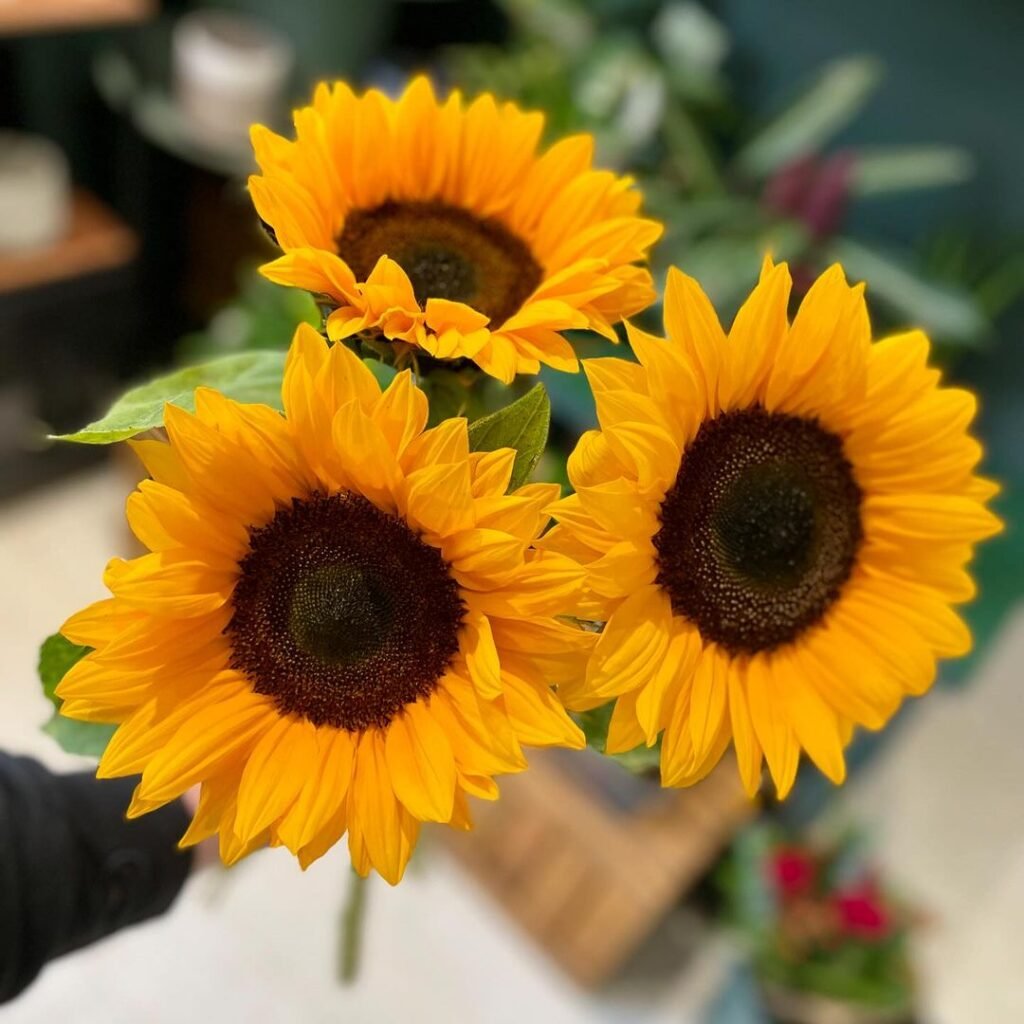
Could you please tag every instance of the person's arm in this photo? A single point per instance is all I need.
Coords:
(72, 868)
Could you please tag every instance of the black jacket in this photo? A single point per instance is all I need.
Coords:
(72, 868)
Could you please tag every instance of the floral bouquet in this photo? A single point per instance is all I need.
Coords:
(357, 607)
(830, 943)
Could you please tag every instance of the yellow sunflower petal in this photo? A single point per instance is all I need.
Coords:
(161, 462)
(216, 797)
(814, 723)
(709, 695)
(482, 659)
(633, 645)
(547, 584)
(765, 680)
(491, 471)
(375, 815)
(99, 622)
(401, 413)
(437, 498)
(330, 832)
(483, 558)
(624, 730)
(758, 332)
(274, 775)
(749, 754)
(170, 582)
(323, 793)
(213, 734)
(674, 672)
(692, 325)
(536, 715)
(421, 764)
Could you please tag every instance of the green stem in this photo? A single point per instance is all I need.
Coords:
(352, 926)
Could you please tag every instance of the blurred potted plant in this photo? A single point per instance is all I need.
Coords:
(650, 80)
(829, 942)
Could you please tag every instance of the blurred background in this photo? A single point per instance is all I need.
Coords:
(884, 135)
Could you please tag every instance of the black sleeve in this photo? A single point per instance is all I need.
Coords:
(72, 868)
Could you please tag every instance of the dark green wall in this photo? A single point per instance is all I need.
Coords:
(955, 73)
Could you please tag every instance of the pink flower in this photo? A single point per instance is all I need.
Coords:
(793, 871)
(813, 190)
(862, 912)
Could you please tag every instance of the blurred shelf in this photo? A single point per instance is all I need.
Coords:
(136, 85)
(18, 17)
(588, 859)
(96, 240)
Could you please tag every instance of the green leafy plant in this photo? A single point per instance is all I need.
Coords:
(649, 80)
(818, 920)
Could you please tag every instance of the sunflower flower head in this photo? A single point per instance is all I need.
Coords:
(341, 624)
(440, 228)
(775, 524)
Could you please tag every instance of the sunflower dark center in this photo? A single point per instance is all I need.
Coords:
(447, 252)
(760, 529)
(342, 614)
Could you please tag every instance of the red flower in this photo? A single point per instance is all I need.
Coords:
(862, 912)
(793, 871)
(813, 190)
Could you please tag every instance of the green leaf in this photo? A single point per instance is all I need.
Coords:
(640, 760)
(384, 373)
(89, 739)
(246, 377)
(834, 99)
(523, 425)
(594, 724)
(905, 168)
(56, 656)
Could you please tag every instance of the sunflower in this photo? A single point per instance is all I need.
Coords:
(439, 227)
(775, 525)
(341, 623)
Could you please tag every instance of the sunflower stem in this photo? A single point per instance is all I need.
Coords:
(352, 926)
